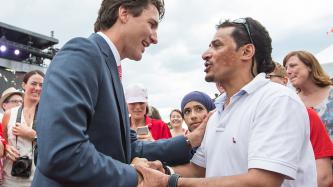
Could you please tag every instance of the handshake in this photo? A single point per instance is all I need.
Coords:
(151, 173)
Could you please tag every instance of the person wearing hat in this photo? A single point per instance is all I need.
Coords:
(279, 75)
(10, 98)
(137, 102)
(195, 106)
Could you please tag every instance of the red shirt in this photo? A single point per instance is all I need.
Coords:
(2, 139)
(158, 129)
(321, 142)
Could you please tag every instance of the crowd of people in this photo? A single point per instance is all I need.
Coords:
(71, 129)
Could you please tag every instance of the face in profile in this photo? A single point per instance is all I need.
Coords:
(298, 72)
(141, 31)
(33, 87)
(221, 57)
(137, 110)
(176, 119)
(194, 113)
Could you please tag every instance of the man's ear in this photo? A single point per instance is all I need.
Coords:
(248, 51)
(123, 14)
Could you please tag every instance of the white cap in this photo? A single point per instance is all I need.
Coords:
(136, 94)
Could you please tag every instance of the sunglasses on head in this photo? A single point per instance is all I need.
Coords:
(243, 22)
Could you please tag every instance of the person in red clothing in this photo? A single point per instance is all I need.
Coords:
(3, 142)
(321, 142)
(137, 102)
(322, 148)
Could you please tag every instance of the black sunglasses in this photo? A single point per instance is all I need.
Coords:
(246, 25)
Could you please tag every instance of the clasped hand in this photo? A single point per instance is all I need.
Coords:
(150, 173)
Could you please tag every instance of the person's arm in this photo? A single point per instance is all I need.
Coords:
(190, 170)
(322, 148)
(10, 151)
(24, 131)
(67, 104)
(254, 178)
(3, 142)
(324, 172)
(172, 151)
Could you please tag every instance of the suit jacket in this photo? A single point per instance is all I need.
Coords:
(84, 137)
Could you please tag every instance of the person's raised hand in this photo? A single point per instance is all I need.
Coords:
(196, 136)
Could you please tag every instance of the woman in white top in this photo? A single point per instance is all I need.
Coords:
(20, 136)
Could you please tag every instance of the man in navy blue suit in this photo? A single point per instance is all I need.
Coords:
(84, 138)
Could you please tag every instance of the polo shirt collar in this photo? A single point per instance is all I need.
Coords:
(258, 81)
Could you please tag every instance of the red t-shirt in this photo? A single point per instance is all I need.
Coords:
(321, 142)
(158, 129)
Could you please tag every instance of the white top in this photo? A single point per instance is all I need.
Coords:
(23, 145)
(112, 47)
(265, 126)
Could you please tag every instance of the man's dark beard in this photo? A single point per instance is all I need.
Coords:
(209, 78)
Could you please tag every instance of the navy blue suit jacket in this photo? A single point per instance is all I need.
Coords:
(84, 137)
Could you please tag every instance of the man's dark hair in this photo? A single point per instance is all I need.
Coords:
(261, 41)
(108, 12)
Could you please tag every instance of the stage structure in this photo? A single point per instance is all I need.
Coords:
(22, 51)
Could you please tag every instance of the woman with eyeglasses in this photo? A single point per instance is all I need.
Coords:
(312, 84)
(10, 98)
(176, 121)
(20, 135)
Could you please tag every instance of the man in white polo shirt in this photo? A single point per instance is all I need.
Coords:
(259, 135)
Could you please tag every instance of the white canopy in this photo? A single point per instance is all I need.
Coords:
(325, 56)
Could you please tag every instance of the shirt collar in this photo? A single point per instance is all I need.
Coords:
(112, 47)
(258, 81)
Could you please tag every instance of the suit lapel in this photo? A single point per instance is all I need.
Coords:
(118, 88)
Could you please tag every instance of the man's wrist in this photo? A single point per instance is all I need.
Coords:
(173, 180)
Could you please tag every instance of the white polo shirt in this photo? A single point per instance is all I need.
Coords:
(265, 126)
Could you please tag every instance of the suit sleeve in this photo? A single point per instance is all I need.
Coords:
(173, 151)
(69, 94)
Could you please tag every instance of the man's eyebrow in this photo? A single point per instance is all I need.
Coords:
(154, 22)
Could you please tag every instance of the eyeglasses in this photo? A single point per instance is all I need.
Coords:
(269, 76)
(246, 25)
(15, 101)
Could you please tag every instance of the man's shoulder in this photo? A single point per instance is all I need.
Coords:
(79, 42)
(274, 90)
